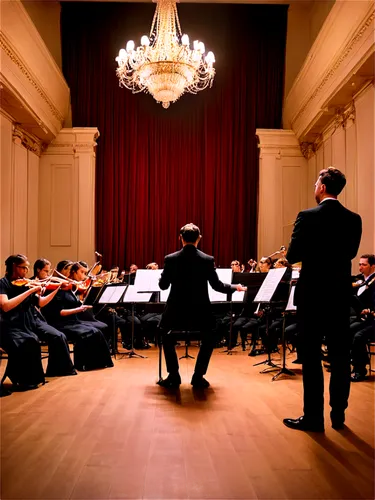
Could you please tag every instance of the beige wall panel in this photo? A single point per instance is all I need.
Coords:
(311, 179)
(291, 199)
(365, 106)
(20, 200)
(61, 204)
(319, 161)
(339, 156)
(6, 169)
(32, 205)
(351, 167)
(269, 228)
(327, 153)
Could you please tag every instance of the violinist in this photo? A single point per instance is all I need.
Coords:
(130, 278)
(65, 312)
(18, 337)
(63, 267)
(59, 361)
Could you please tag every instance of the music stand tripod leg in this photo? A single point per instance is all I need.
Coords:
(186, 355)
(284, 370)
(230, 350)
(270, 364)
(132, 353)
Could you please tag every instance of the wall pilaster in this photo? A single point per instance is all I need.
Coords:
(282, 181)
(67, 209)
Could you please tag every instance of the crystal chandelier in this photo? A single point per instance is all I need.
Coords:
(164, 65)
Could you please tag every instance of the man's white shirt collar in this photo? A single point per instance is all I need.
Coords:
(325, 199)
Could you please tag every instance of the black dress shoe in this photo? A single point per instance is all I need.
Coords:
(297, 362)
(337, 419)
(25, 387)
(358, 377)
(301, 424)
(198, 382)
(171, 382)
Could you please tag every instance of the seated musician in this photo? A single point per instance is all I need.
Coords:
(130, 278)
(63, 267)
(91, 349)
(265, 264)
(152, 265)
(18, 337)
(150, 320)
(59, 361)
(223, 319)
(363, 327)
(250, 319)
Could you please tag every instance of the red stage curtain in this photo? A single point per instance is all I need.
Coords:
(195, 162)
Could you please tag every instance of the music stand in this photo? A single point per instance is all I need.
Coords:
(133, 296)
(110, 294)
(271, 293)
(289, 309)
(252, 281)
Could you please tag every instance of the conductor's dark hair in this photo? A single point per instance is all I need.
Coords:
(370, 258)
(39, 264)
(16, 259)
(190, 233)
(333, 179)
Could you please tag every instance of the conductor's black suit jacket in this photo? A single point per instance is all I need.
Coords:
(188, 307)
(325, 239)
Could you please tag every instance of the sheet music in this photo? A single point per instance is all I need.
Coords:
(164, 294)
(269, 285)
(112, 294)
(147, 280)
(132, 295)
(225, 275)
(295, 274)
(290, 306)
(238, 296)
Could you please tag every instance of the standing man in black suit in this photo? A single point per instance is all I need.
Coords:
(326, 232)
(188, 305)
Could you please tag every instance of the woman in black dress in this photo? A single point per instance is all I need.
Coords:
(59, 360)
(91, 349)
(18, 338)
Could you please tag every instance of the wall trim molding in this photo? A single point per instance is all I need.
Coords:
(336, 65)
(11, 52)
(28, 141)
(345, 42)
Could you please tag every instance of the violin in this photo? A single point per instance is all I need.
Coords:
(253, 264)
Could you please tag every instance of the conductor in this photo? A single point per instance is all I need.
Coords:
(188, 305)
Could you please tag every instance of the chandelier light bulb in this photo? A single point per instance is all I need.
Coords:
(130, 46)
(145, 41)
(210, 58)
(185, 40)
(201, 47)
(164, 65)
(122, 55)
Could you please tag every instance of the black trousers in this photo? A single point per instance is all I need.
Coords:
(329, 321)
(207, 345)
(362, 333)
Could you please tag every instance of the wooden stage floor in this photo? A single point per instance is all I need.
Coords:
(114, 434)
